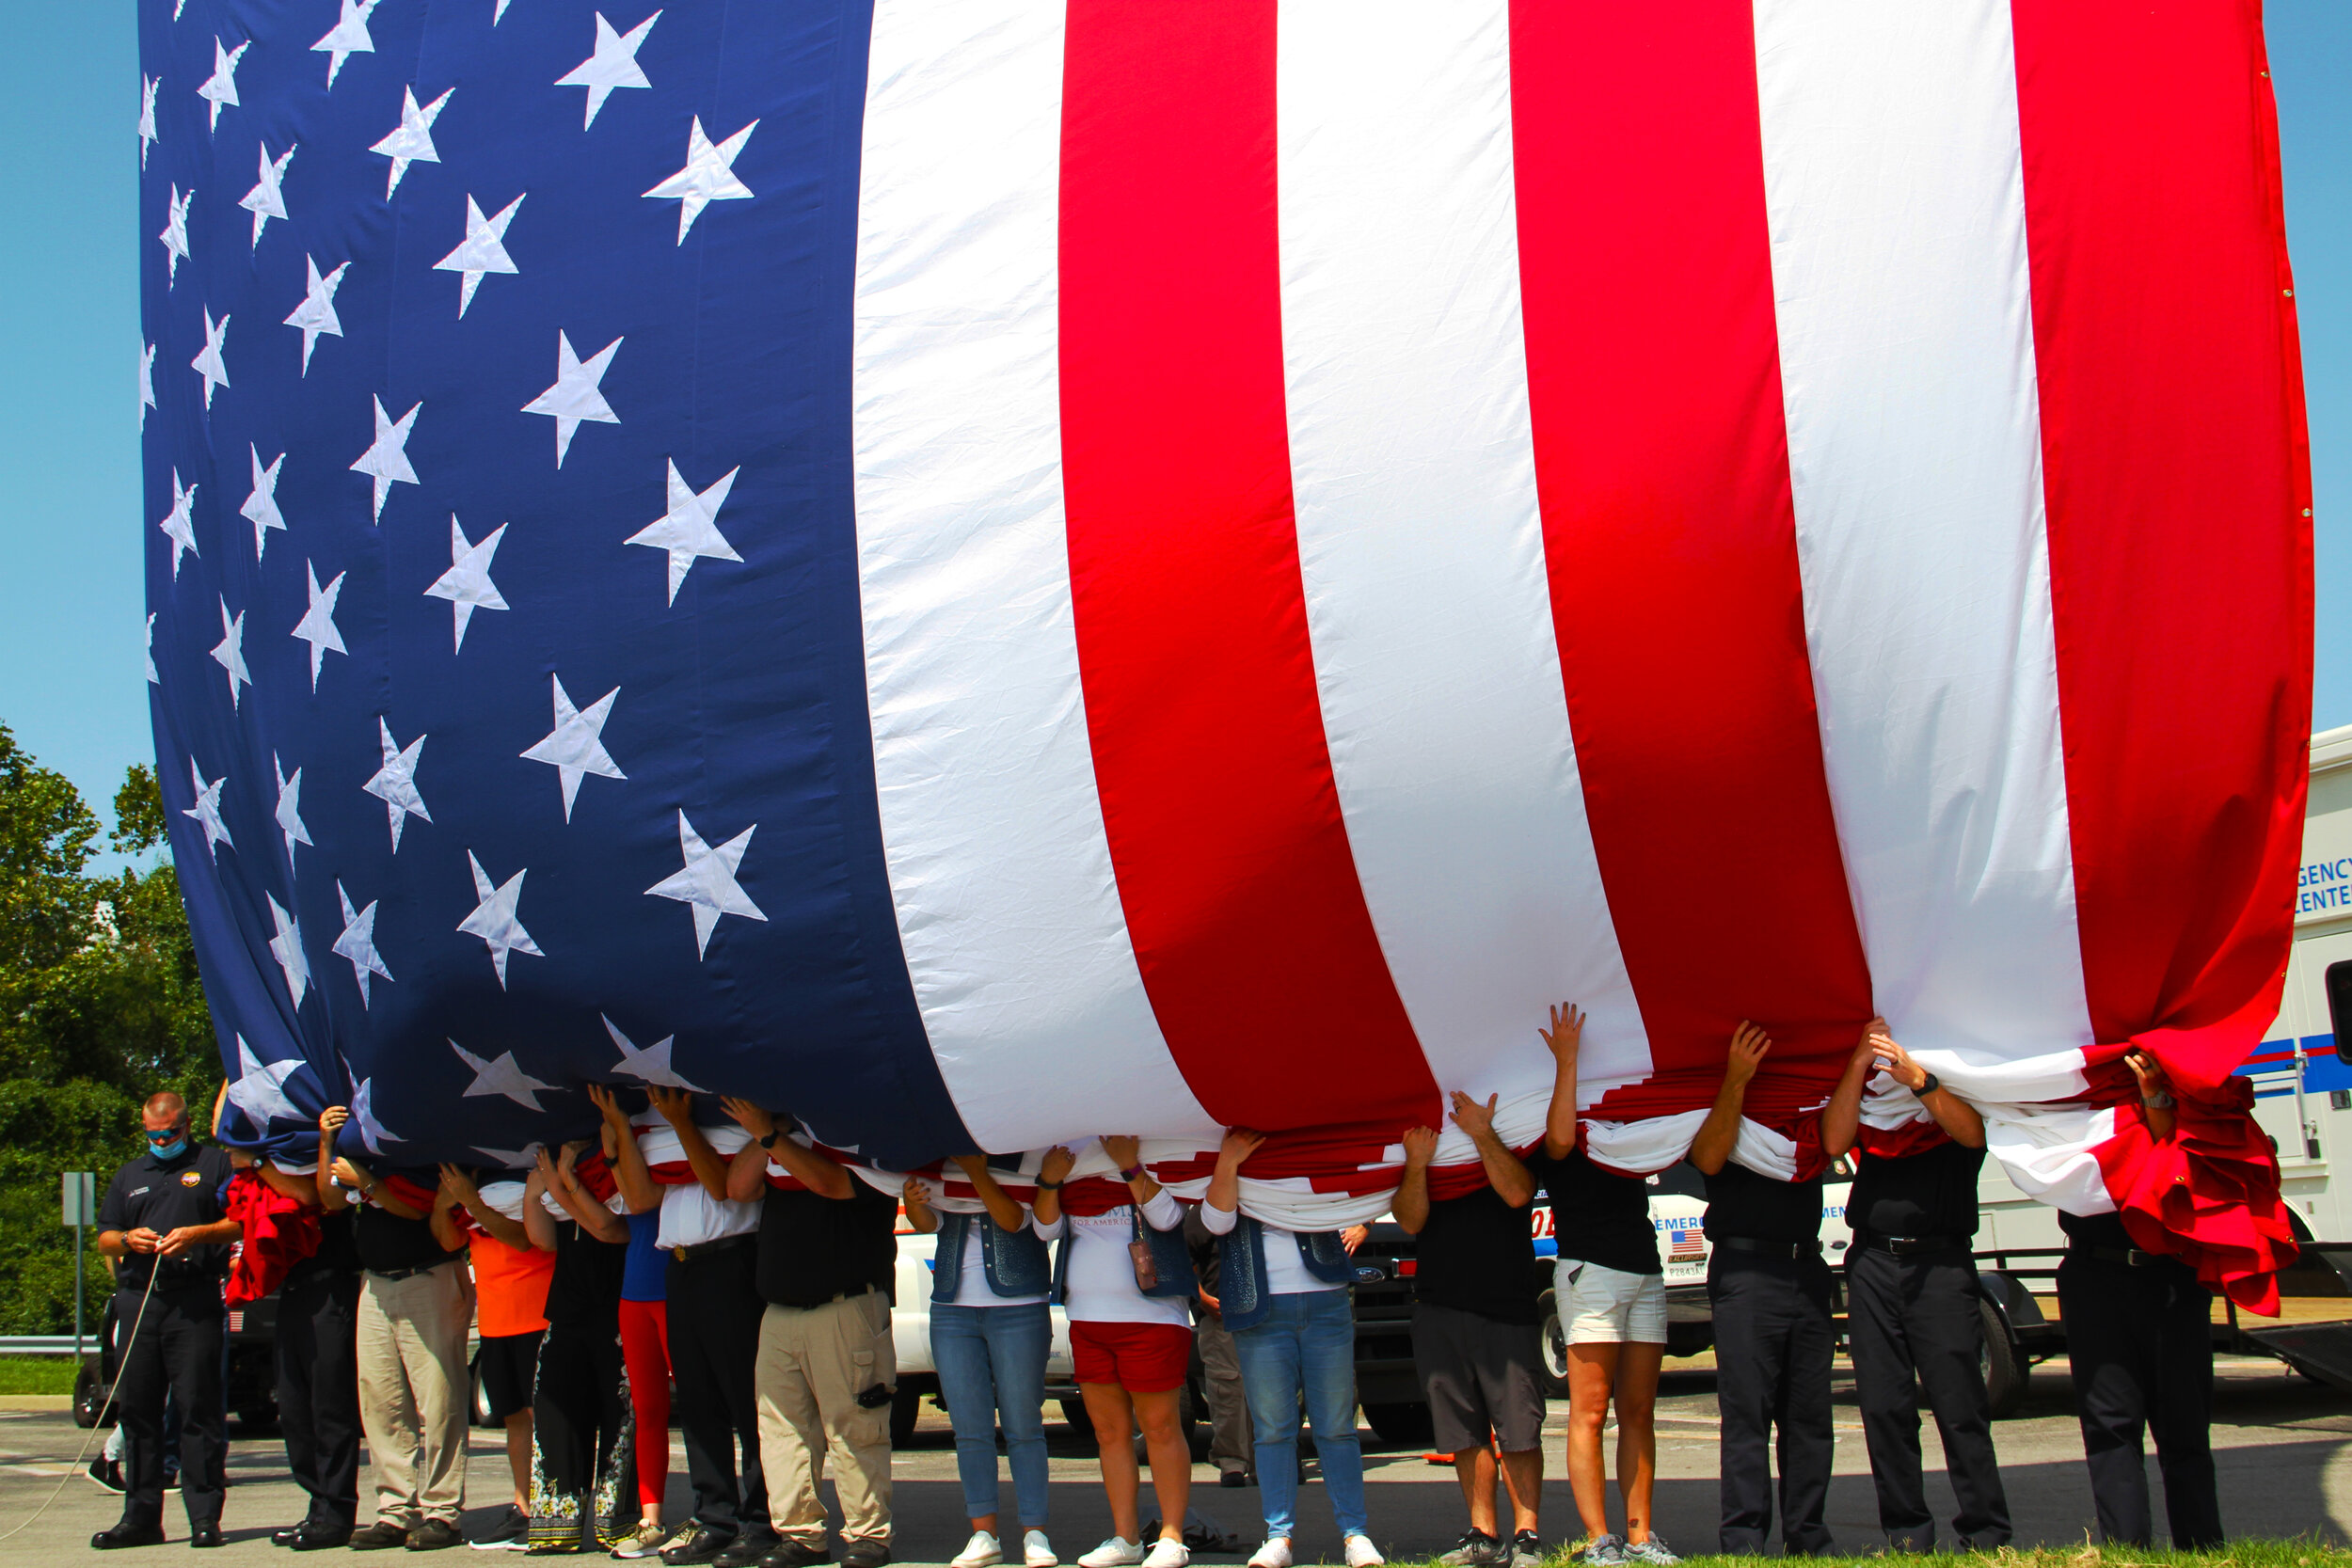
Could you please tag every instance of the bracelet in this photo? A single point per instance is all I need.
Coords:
(1931, 1083)
(1049, 1186)
(1128, 1173)
(2157, 1101)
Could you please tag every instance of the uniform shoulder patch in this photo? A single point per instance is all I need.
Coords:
(190, 1178)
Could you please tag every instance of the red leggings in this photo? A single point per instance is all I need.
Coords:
(646, 1351)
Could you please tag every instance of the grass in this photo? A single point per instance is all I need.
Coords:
(2302, 1552)
(36, 1375)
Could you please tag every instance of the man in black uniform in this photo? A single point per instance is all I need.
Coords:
(1911, 1301)
(164, 1220)
(1770, 1293)
(2140, 1344)
(318, 1366)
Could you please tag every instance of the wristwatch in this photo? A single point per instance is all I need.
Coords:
(1929, 1086)
(1045, 1186)
(769, 1141)
(2157, 1100)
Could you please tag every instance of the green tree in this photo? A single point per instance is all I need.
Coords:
(100, 1006)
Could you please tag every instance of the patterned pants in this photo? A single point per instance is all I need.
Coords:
(581, 1440)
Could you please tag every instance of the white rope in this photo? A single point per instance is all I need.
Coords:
(123, 1356)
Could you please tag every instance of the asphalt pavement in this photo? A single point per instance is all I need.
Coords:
(2283, 1448)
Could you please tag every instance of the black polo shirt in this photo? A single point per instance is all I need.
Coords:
(813, 1248)
(388, 1243)
(1476, 1253)
(1741, 1203)
(1932, 1192)
(1598, 1215)
(164, 1195)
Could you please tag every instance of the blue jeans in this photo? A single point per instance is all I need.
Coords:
(991, 1368)
(1306, 1342)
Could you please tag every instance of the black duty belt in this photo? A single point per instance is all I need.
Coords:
(703, 1249)
(1792, 1250)
(831, 1300)
(2129, 1256)
(1912, 1247)
(409, 1274)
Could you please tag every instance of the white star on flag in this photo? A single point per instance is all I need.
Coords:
(482, 251)
(289, 813)
(206, 811)
(496, 920)
(286, 947)
(152, 679)
(175, 234)
(690, 530)
(499, 15)
(648, 1063)
(348, 37)
(317, 626)
(467, 584)
(386, 461)
(228, 653)
(148, 134)
(316, 314)
(179, 524)
(511, 1159)
(612, 65)
(708, 881)
(267, 198)
(358, 942)
(412, 143)
(502, 1076)
(259, 1090)
(707, 177)
(208, 362)
(575, 747)
(576, 395)
(147, 383)
(261, 507)
(395, 782)
(373, 1135)
(219, 90)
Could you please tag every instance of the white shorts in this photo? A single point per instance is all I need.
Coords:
(1601, 1306)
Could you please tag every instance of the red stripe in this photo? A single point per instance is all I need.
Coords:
(1663, 467)
(2178, 492)
(1225, 831)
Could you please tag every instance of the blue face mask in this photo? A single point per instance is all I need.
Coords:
(171, 1151)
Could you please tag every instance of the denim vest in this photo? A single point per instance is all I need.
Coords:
(1013, 1260)
(1241, 1273)
(1168, 1254)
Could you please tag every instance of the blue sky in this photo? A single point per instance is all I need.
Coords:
(71, 675)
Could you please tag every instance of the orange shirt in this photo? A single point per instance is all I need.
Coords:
(509, 1286)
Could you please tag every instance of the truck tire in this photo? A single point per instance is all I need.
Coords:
(1073, 1412)
(1399, 1425)
(1551, 1365)
(906, 1407)
(2006, 1372)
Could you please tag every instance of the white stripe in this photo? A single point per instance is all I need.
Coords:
(1895, 194)
(999, 864)
(1420, 542)
(2049, 1153)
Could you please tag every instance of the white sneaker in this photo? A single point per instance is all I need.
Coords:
(981, 1551)
(1361, 1553)
(1036, 1551)
(1117, 1552)
(1276, 1553)
(1167, 1554)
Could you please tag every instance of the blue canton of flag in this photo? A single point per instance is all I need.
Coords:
(504, 636)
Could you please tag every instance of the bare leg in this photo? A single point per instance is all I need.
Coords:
(1523, 1478)
(519, 1456)
(1592, 1369)
(1113, 1415)
(1171, 1462)
(1637, 1433)
(1476, 1469)
(984, 1521)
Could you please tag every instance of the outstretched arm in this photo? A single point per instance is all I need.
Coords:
(1960, 1120)
(1720, 1133)
(1841, 1118)
(1510, 1178)
(1224, 1194)
(1563, 1039)
(1412, 1204)
(629, 1173)
(677, 1108)
(1000, 1203)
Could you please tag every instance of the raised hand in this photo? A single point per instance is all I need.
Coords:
(1895, 1062)
(1865, 1048)
(1239, 1144)
(2153, 1081)
(1126, 1153)
(1421, 1145)
(915, 1194)
(1056, 1164)
(752, 1118)
(544, 1163)
(1748, 1047)
(332, 1118)
(609, 1103)
(676, 1105)
(1472, 1117)
(1566, 1031)
(457, 1181)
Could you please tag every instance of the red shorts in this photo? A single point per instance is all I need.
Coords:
(1142, 1358)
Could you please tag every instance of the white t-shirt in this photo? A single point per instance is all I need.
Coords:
(1286, 1271)
(973, 1289)
(691, 1216)
(1101, 1283)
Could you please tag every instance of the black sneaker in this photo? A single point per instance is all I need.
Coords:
(506, 1533)
(1476, 1549)
(106, 1474)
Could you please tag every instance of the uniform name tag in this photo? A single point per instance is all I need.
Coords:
(140, 1192)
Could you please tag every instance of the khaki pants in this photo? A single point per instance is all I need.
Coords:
(414, 1390)
(813, 1363)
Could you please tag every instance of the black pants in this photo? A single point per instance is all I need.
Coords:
(581, 1428)
(177, 1347)
(1914, 1327)
(318, 1390)
(1773, 1347)
(2141, 1345)
(714, 1317)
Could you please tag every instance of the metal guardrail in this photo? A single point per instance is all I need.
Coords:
(41, 1344)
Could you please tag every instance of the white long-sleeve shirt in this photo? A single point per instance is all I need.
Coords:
(1101, 1271)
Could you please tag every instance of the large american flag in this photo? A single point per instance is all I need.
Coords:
(989, 570)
